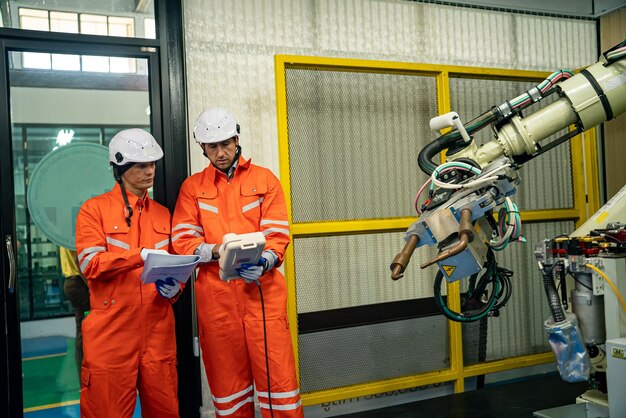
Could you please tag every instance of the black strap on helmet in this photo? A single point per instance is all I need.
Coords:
(117, 174)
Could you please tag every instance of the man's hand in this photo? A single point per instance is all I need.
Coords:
(208, 252)
(146, 251)
(251, 272)
(167, 288)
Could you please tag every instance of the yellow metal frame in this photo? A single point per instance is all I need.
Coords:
(586, 202)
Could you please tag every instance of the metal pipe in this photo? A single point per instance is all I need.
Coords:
(401, 260)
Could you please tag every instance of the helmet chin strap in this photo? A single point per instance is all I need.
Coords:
(118, 178)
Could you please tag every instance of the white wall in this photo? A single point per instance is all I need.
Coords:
(230, 47)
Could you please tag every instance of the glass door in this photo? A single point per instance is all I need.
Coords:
(64, 109)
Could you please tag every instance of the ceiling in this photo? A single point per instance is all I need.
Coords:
(574, 8)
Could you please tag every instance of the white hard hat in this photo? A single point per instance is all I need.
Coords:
(215, 125)
(133, 146)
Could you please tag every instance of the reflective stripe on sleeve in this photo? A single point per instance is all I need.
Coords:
(273, 222)
(86, 261)
(118, 243)
(188, 226)
(277, 230)
(188, 229)
(161, 244)
(188, 232)
(90, 250)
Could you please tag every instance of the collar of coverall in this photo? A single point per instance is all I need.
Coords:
(241, 162)
(132, 199)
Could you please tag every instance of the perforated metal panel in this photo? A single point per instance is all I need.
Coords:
(342, 357)
(547, 180)
(352, 270)
(353, 142)
(519, 328)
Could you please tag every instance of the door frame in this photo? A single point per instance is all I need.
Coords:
(168, 120)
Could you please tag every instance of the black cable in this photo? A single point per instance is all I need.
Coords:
(554, 302)
(461, 316)
(562, 285)
(453, 141)
(501, 291)
(491, 270)
(612, 60)
(580, 283)
(619, 241)
(267, 359)
(504, 275)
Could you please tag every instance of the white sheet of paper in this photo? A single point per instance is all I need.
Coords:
(162, 266)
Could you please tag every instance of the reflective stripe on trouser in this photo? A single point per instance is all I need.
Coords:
(231, 334)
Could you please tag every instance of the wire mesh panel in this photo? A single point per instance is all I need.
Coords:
(547, 180)
(519, 328)
(352, 270)
(354, 138)
(353, 142)
(342, 357)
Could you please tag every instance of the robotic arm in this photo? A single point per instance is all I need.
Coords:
(464, 192)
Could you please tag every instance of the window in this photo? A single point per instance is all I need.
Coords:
(88, 24)
(34, 19)
(63, 22)
(93, 25)
(149, 28)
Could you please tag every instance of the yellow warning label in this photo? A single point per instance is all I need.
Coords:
(449, 269)
(619, 353)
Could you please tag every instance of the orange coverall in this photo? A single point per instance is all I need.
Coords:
(129, 338)
(229, 313)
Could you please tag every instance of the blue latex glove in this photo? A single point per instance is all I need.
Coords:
(252, 272)
(167, 288)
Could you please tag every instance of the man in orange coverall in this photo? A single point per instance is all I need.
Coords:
(234, 196)
(128, 337)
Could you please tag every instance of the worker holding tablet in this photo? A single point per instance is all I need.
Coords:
(234, 196)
